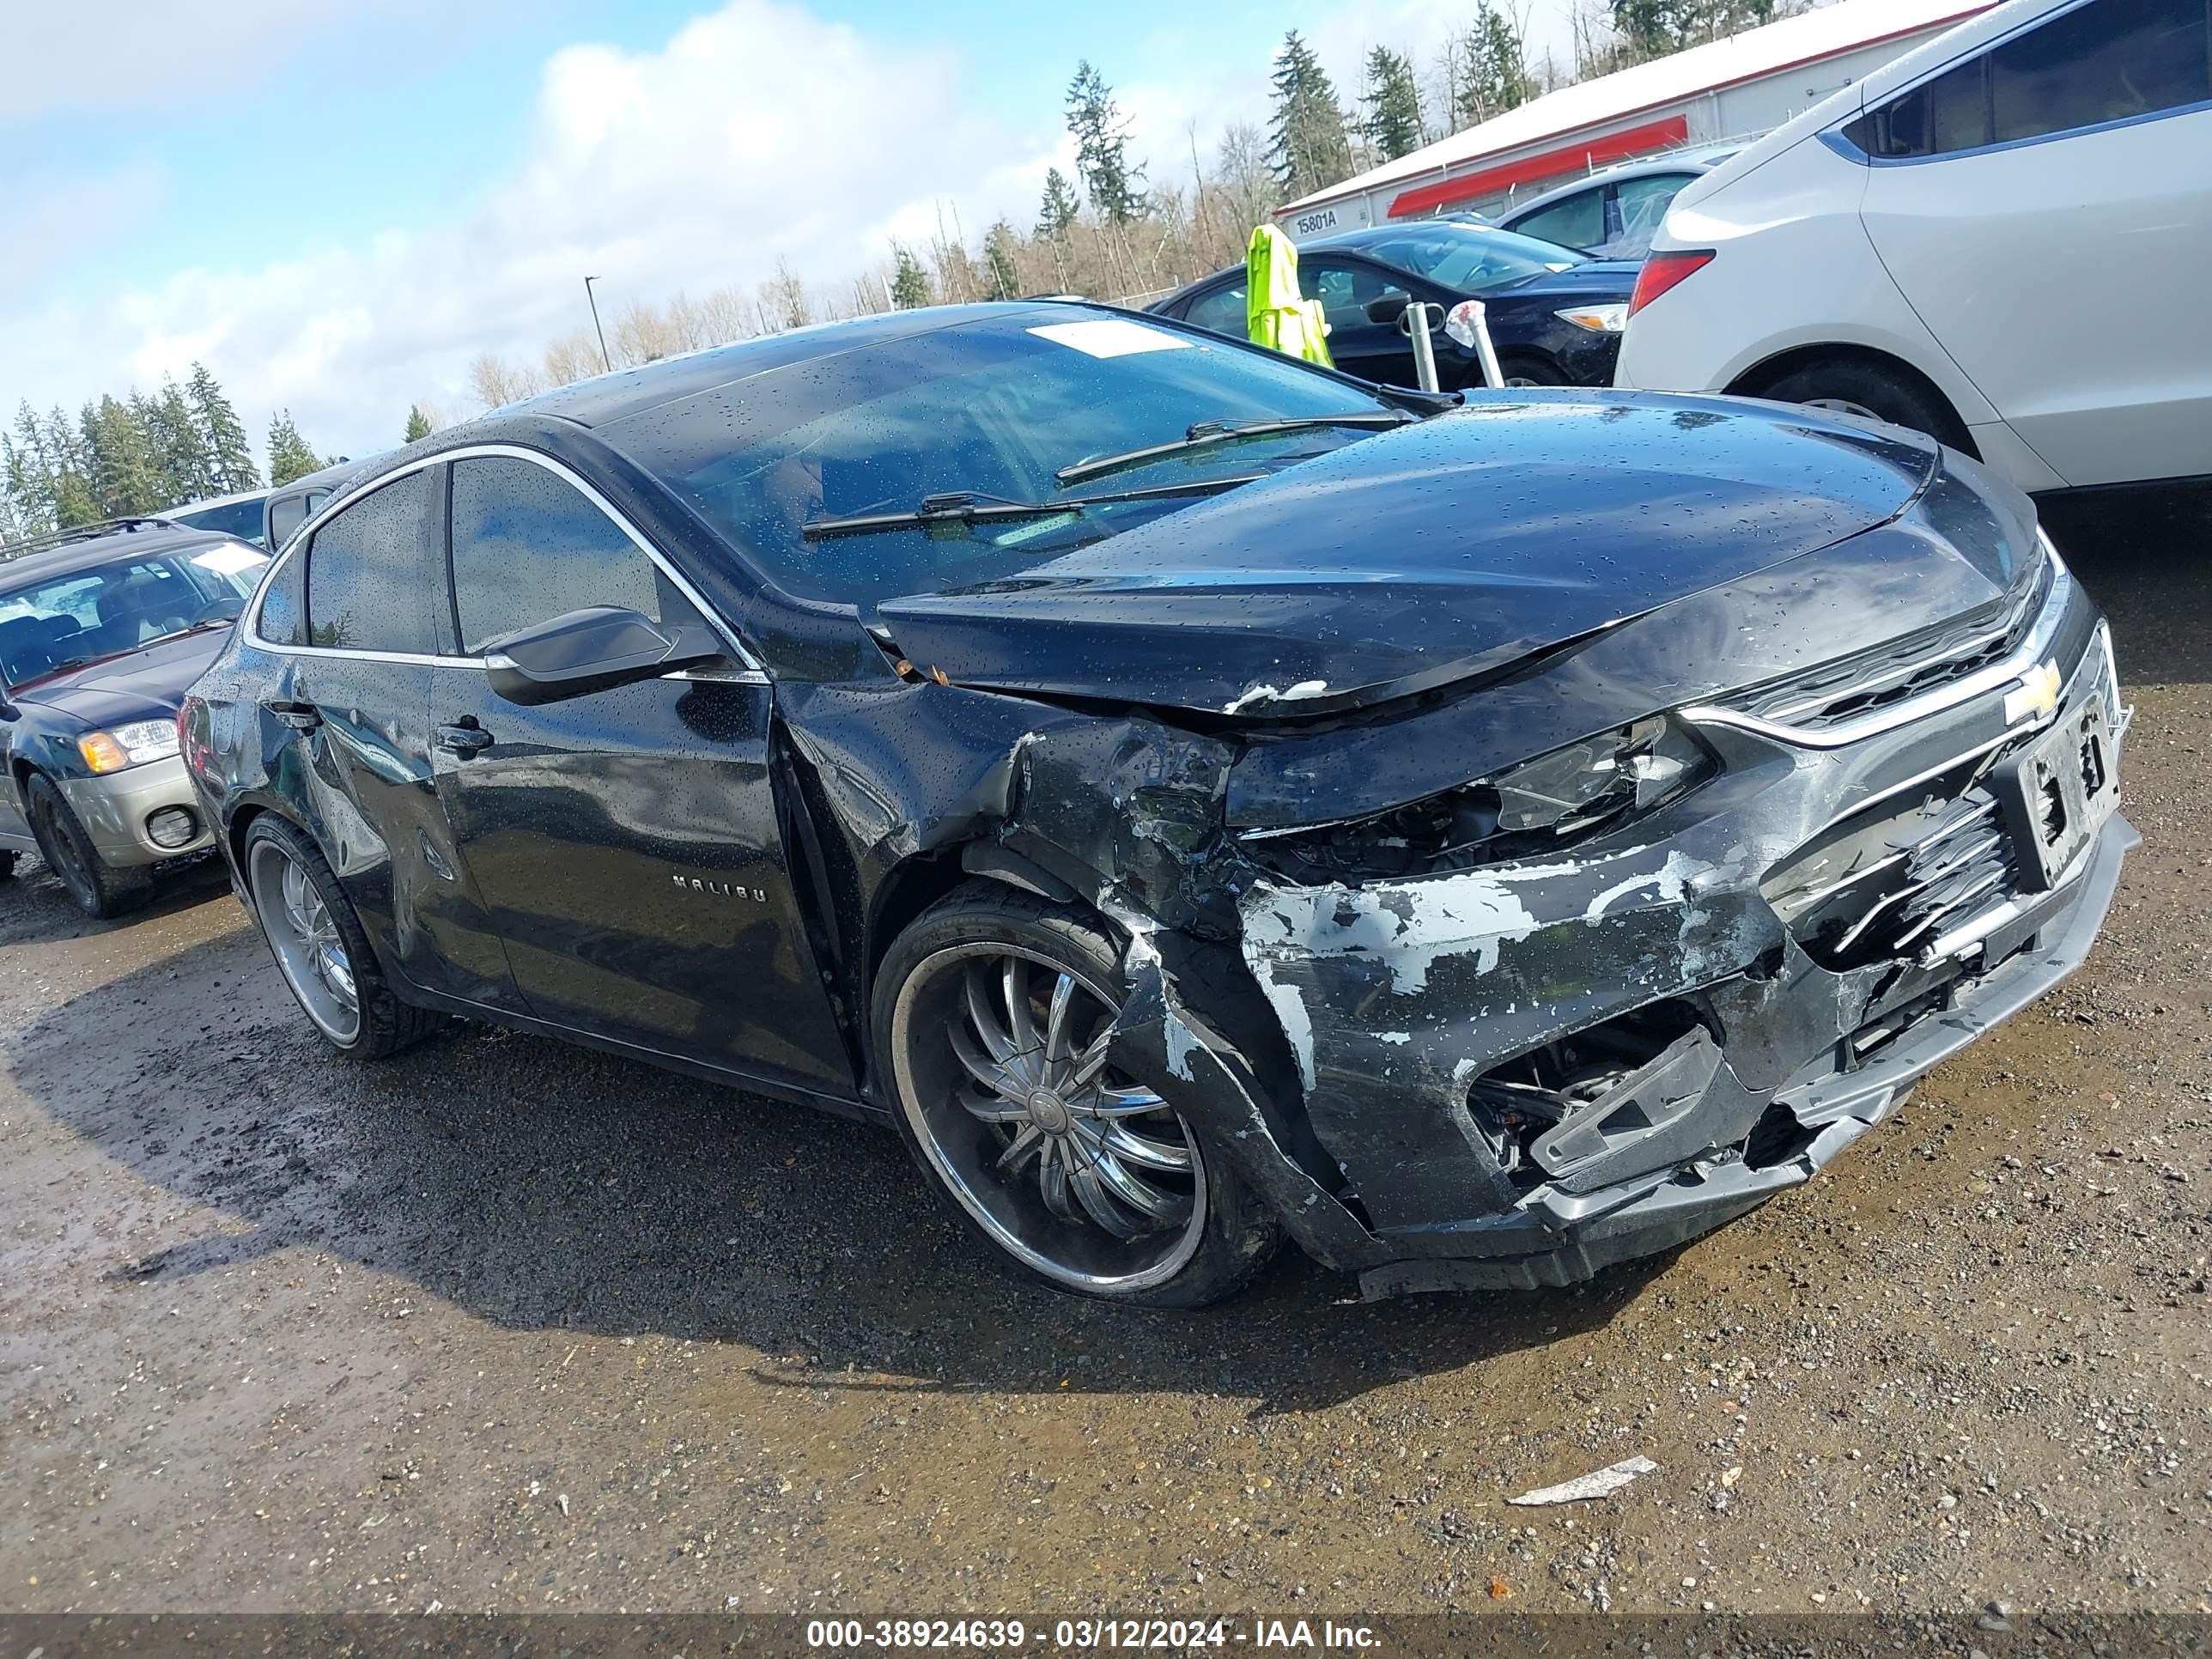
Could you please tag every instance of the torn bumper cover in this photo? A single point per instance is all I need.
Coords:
(1515, 1075)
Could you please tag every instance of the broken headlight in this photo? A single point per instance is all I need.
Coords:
(1536, 807)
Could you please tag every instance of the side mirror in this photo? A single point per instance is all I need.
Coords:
(1389, 308)
(594, 649)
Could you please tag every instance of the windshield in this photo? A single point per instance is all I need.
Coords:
(996, 407)
(1469, 258)
(239, 519)
(101, 609)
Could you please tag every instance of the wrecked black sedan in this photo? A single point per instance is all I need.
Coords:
(1195, 797)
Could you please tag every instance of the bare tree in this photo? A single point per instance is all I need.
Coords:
(574, 356)
(497, 382)
(783, 299)
(1247, 183)
(722, 317)
(643, 334)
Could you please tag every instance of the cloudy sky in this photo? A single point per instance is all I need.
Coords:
(336, 206)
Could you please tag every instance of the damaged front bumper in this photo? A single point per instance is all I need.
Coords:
(1516, 1075)
(1560, 1237)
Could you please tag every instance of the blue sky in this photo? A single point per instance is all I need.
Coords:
(336, 207)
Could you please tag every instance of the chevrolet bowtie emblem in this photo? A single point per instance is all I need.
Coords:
(2036, 695)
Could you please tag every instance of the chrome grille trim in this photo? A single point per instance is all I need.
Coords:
(2002, 675)
(1935, 886)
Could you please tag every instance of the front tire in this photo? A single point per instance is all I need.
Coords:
(102, 891)
(990, 1019)
(316, 937)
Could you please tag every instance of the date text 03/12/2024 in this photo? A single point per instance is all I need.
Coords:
(1152, 1635)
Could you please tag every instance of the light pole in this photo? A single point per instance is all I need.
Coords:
(605, 361)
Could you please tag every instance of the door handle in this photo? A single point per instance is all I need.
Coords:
(299, 716)
(463, 740)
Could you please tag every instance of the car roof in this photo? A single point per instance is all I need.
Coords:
(605, 398)
(143, 537)
(206, 501)
(1354, 241)
(327, 477)
(1703, 159)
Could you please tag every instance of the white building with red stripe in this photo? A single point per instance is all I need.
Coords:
(1733, 88)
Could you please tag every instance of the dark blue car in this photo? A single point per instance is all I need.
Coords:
(1555, 315)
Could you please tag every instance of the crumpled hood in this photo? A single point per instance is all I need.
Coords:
(1422, 555)
(146, 684)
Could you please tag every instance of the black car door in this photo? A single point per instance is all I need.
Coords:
(626, 841)
(355, 691)
(1358, 345)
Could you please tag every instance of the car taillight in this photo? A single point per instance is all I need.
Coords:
(1663, 270)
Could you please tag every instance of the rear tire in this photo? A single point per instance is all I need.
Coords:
(1530, 372)
(315, 935)
(1867, 390)
(6, 863)
(100, 889)
(989, 1015)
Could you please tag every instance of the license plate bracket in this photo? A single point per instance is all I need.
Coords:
(2057, 794)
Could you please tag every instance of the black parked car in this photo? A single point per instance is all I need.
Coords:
(1555, 315)
(101, 628)
(1193, 797)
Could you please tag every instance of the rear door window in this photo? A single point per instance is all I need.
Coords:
(528, 546)
(282, 618)
(1576, 222)
(373, 574)
(1641, 205)
(2109, 60)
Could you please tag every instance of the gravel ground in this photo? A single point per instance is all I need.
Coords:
(504, 1325)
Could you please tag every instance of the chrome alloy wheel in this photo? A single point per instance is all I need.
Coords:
(1081, 1174)
(1843, 407)
(304, 938)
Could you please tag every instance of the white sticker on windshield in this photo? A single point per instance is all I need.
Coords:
(230, 558)
(1111, 337)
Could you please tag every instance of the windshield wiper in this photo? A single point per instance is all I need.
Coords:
(1202, 433)
(188, 630)
(974, 507)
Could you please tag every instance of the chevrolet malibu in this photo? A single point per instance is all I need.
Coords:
(1196, 798)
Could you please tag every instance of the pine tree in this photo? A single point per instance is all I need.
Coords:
(182, 464)
(1004, 279)
(1496, 67)
(289, 458)
(1057, 216)
(418, 425)
(230, 456)
(30, 473)
(1310, 150)
(72, 459)
(73, 501)
(1394, 104)
(1101, 142)
(122, 476)
(910, 283)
